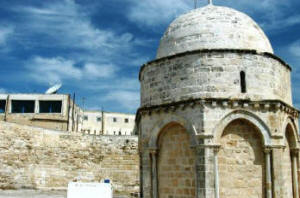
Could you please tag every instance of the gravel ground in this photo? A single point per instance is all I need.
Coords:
(36, 194)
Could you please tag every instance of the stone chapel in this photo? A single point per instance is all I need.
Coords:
(216, 117)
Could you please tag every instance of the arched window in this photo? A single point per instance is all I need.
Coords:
(243, 81)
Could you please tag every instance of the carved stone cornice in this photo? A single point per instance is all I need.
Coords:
(270, 105)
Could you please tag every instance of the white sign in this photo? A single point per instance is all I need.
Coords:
(89, 190)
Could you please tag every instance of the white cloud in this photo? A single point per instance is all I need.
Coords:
(127, 99)
(152, 13)
(84, 57)
(156, 12)
(92, 70)
(52, 70)
(66, 25)
(5, 32)
(281, 23)
(2, 90)
(59, 70)
(294, 48)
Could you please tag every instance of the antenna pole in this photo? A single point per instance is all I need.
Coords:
(195, 4)
(210, 2)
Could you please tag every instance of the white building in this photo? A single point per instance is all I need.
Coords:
(50, 111)
(107, 123)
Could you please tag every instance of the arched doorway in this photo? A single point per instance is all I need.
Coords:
(176, 163)
(241, 161)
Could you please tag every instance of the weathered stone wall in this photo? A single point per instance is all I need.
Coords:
(287, 167)
(214, 75)
(176, 164)
(213, 27)
(241, 162)
(205, 122)
(35, 158)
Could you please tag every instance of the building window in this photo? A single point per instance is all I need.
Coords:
(98, 119)
(114, 133)
(22, 106)
(50, 106)
(120, 133)
(85, 117)
(2, 106)
(126, 120)
(114, 119)
(243, 81)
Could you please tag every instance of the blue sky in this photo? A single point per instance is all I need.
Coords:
(96, 47)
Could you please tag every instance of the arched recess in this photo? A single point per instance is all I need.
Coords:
(241, 161)
(176, 174)
(293, 133)
(159, 126)
(290, 160)
(246, 115)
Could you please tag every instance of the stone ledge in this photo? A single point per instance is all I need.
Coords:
(221, 102)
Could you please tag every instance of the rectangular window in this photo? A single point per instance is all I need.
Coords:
(50, 106)
(98, 119)
(126, 120)
(2, 106)
(22, 106)
(85, 117)
(115, 119)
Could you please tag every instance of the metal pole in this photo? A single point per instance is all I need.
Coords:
(68, 112)
(73, 111)
(6, 108)
(102, 119)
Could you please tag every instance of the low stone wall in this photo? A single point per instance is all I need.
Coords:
(36, 158)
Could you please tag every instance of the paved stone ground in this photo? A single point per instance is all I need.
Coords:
(32, 194)
(36, 194)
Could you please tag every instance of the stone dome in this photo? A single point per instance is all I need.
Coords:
(213, 27)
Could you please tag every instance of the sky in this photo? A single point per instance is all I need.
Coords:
(95, 47)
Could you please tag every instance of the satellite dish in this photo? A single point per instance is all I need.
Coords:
(53, 89)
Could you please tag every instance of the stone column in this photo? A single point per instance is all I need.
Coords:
(268, 172)
(200, 172)
(216, 171)
(153, 153)
(205, 171)
(278, 179)
(295, 170)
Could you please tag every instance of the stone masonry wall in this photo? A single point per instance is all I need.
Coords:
(214, 75)
(176, 164)
(35, 158)
(241, 162)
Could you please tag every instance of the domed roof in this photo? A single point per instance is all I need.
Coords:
(213, 27)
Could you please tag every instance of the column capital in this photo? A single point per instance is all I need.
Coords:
(268, 149)
(295, 151)
(153, 151)
(216, 149)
